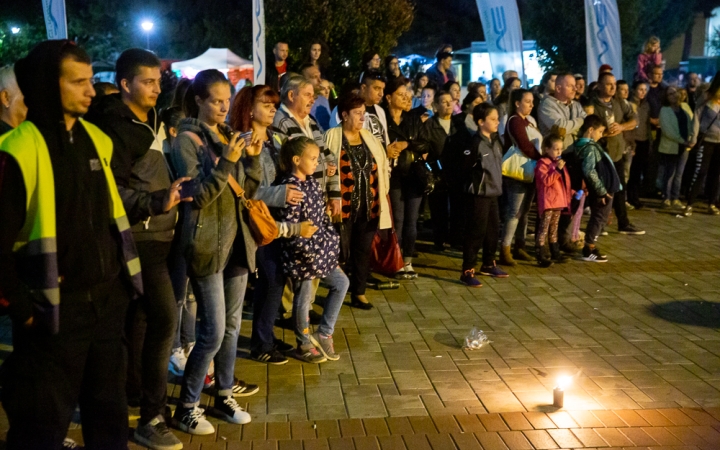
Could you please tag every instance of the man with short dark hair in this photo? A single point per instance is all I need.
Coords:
(691, 85)
(276, 72)
(67, 277)
(619, 117)
(440, 73)
(151, 198)
(12, 106)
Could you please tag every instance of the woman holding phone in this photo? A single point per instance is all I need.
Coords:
(216, 241)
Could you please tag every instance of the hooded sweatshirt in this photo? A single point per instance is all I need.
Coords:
(140, 168)
(87, 249)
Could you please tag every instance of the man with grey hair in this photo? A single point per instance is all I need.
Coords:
(293, 119)
(12, 102)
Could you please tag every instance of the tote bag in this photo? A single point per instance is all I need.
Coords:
(515, 164)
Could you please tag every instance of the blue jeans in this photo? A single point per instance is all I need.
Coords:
(267, 298)
(674, 166)
(519, 197)
(405, 209)
(184, 297)
(338, 284)
(219, 298)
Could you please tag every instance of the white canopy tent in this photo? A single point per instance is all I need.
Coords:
(221, 59)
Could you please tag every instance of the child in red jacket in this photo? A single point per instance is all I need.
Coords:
(553, 195)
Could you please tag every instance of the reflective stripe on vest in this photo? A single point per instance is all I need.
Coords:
(36, 245)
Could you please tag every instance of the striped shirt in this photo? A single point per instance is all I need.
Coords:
(285, 126)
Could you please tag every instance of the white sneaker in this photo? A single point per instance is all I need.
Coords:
(193, 421)
(178, 360)
(409, 271)
(228, 409)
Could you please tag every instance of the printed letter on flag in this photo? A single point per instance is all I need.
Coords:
(259, 41)
(55, 19)
(602, 32)
(503, 35)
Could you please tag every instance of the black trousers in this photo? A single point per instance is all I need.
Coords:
(638, 172)
(457, 215)
(268, 297)
(482, 228)
(707, 173)
(598, 218)
(150, 329)
(439, 212)
(46, 376)
(620, 197)
(358, 236)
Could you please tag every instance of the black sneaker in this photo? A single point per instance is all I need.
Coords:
(631, 230)
(243, 389)
(193, 421)
(593, 255)
(282, 346)
(273, 357)
(309, 354)
(229, 410)
(157, 436)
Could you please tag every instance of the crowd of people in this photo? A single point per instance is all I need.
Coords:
(130, 234)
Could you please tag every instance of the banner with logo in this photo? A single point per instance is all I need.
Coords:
(55, 19)
(602, 33)
(258, 18)
(503, 34)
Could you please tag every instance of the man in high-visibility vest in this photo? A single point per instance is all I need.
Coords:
(68, 264)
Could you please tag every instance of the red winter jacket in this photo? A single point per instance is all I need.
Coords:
(553, 185)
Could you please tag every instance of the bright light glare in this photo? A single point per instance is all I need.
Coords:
(15, 30)
(563, 382)
(147, 25)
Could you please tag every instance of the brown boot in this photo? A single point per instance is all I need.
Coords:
(520, 254)
(506, 258)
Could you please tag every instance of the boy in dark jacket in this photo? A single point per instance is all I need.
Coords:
(481, 175)
(591, 163)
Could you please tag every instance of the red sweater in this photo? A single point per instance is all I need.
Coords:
(516, 133)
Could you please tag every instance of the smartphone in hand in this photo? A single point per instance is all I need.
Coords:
(189, 188)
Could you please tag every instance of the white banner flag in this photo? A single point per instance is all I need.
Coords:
(55, 19)
(259, 41)
(503, 34)
(602, 32)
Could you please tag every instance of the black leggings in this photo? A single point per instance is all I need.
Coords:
(638, 172)
(707, 173)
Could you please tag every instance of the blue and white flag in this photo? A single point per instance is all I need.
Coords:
(602, 32)
(503, 34)
(258, 18)
(55, 19)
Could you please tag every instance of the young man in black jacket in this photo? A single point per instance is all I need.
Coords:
(67, 284)
(150, 198)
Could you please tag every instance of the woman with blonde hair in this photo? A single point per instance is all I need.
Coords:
(649, 58)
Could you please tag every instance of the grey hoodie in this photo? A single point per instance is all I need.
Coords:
(209, 224)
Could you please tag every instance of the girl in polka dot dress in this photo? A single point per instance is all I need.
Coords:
(305, 259)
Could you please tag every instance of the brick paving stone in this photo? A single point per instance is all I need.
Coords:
(327, 428)
(236, 445)
(215, 446)
(422, 425)
(677, 417)
(376, 427)
(708, 433)
(586, 419)
(366, 443)
(589, 437)
(632, 418)
(466, 441)
(700, 417)
(343, 443)
(562, 419)
(278, 430)
(662, 436)
(399, 425)
(316, 444)
(655, 418)
(686, 435)
(516, 421)
(539, 421)
(302, 430)
(609, 418)
(493, 422)
(638, 436)
(565, 438)
(253, 431)
(446, 424)
(417, 442)
(515, 440)
(491, 441)
(394, 442)
(290, 445)
(470, 424)
(540, 439)
(351, 427)
(441, 441)
(264, 445)
(613, 437)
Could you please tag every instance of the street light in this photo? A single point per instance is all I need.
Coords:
(15, 30)
(147, 26)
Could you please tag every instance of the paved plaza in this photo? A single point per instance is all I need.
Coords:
(640, 335)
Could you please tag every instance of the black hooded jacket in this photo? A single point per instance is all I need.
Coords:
(141, 172)
(87, 248)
